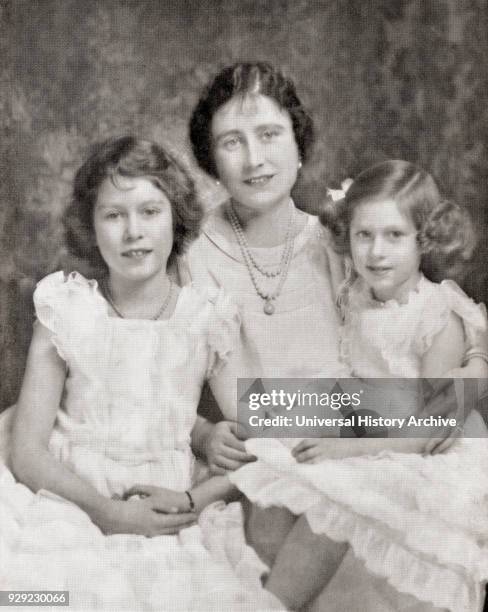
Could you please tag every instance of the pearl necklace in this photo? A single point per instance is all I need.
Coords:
(108, 295)
(252, 264)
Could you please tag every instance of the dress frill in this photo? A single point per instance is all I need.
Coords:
(406, 517)
(47, 542)
(399, 334)
(224, 331)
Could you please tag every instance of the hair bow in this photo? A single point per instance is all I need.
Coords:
(340, 194)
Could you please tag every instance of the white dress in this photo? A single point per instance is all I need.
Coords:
(126, 415)
(418, 524)
(289, 343)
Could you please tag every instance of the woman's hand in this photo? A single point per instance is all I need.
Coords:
(143, 516)
(225, 449)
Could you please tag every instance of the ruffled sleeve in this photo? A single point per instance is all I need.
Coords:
(62, 304)
(442, 300)
(224, 332)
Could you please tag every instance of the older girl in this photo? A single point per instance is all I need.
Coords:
(107, 406)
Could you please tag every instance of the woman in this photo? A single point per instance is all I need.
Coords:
(250, 132)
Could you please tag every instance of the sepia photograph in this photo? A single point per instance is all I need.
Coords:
(243, 305)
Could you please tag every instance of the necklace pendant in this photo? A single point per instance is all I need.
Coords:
(269, 307)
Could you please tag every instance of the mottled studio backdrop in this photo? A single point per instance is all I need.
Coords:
(384, 78)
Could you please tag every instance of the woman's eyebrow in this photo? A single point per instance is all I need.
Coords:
(267, 126)
(257, 128)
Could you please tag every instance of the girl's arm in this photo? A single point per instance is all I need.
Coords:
(34, 465)
(36, 409)
(444, 359)
(476, 357)
(215, 489)
(445, 353)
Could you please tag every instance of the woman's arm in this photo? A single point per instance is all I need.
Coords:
(34, 465)
(220, 444)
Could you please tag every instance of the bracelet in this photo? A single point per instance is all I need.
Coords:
(476, 353)
(190, 499)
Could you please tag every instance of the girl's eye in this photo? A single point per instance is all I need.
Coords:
(363, 234)
(231, 143)
(395, 234)
(113, 214)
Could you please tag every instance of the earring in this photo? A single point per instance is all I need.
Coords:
(300, 165)
(217, 182)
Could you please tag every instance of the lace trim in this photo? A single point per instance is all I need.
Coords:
(426, 311)
(416, 564)
(223, 337)
(57, 296)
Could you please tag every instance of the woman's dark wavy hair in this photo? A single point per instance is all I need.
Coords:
(242, 79)
(445, 236)
(128, 156)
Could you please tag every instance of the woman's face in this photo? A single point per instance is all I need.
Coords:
(255, 151)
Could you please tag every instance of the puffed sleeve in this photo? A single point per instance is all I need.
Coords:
(444, 299)
(63, 302)
(224, 332)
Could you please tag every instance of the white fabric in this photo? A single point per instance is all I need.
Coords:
(126, 416)
(383, 339)
(418, 523)
(301, 338)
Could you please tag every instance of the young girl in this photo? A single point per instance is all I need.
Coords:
(418, 524)
(107, 406)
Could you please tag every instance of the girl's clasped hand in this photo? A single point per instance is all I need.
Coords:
(151, 511)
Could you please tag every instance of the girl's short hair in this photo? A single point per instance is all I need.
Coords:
(132, 157)
(242, 79)
(446, 235)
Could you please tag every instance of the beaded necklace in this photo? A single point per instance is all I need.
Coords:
(253, 266)
(108, 295)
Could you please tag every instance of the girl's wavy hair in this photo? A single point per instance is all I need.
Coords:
(445, 235)
(132, 157)
(244, 79)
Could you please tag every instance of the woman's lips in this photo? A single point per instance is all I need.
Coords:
(258, 181)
